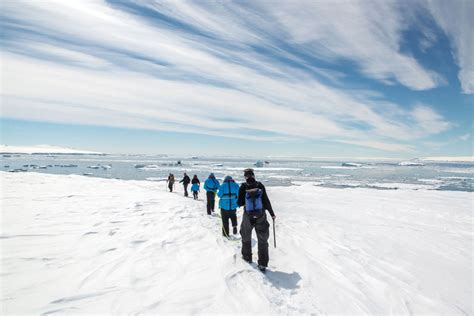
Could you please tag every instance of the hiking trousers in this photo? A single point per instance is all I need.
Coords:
(211, 199)
(226, 215)
(195, 195)
(170, 186)
(261, 226)
(185, 189)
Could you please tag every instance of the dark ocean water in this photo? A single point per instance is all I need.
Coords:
(382, 175)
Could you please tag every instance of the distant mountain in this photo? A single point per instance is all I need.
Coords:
(44, 150)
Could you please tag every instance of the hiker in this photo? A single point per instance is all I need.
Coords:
(185, 182)
(195, 186)
(170, 182)
(211, 185)
(228, 192)
(254, 198)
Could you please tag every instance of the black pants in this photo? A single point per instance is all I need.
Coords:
(226, 215)
(261, 226)
(211, 199)
(195, 195)
(170, 186)
(185, 189)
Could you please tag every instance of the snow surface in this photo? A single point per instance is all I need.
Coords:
(73, 244)
(43, 149)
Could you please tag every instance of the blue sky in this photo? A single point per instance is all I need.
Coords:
(303, 78)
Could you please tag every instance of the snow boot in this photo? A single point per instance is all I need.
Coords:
(248, 260)
(234, 230)
(262, 269)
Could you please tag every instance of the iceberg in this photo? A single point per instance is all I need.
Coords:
(259, 164)
(410, 163)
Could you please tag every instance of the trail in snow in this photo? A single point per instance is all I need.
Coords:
(73, 244)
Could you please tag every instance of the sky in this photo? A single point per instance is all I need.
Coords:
(305, 78)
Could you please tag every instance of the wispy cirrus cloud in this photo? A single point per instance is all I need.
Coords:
(465, 137)
(456, 18)
(428, 121)
(216, 69)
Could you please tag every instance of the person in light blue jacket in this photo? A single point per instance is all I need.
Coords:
(211, 185)
(195, 186)
(228, 193)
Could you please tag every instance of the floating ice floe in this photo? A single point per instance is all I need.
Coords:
(410, 163)
(431, 181)
(150, 167)
(94, 167)
(18, 170)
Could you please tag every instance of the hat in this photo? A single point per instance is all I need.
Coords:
(228, 178)
(248, 172)
(212, 175)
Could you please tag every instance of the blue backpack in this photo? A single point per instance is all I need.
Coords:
(253, 200)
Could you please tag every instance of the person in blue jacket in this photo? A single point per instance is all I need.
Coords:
(195, 186)
(228, 193)
(211, 185)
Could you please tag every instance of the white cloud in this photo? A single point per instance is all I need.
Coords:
(368, 33)
(141, 75)
(456, 18)
(465, 137)
(428, 121)
(386, 146)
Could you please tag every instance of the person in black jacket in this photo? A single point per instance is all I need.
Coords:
(171, 182)
(254, 198)
(185, 182)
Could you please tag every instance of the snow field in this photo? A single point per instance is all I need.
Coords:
(73, 244)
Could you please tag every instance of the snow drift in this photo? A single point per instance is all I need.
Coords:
(72, 244)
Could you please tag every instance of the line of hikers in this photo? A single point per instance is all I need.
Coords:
(251, 194)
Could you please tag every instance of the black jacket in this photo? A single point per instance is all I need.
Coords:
(185, 180)
(252, 184)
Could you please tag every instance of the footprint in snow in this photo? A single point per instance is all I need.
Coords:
(90, 233)
(108, 250)
(137, 242)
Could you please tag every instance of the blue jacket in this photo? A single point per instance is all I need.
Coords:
(195, 187)
(228, 193)
(211, 184)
